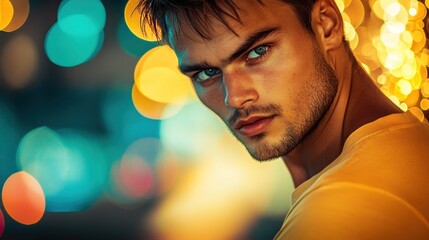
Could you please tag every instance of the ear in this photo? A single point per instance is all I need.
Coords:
(327, 24)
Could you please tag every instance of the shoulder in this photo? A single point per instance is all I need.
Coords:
(346, 210)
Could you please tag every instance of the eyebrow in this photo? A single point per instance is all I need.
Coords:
(248, 43)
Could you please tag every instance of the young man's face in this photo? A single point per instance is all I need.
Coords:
(270, 84)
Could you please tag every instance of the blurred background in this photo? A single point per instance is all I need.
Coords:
(102, 138)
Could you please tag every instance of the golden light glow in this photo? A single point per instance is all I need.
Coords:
(392, 45)
(152, 109)
(6, 13)
(132, 19)
(158, 78)
(424, 104)
(20, 14)
(163, 85)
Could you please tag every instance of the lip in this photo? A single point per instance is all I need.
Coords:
(253, 125)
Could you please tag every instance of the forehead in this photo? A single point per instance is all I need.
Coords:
(252, 14)
(194, 50)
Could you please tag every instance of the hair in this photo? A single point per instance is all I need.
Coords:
(164, 16)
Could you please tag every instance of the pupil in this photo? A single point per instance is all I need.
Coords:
(260, 50)
(210, 72)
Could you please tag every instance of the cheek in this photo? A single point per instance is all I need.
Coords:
(212, 99)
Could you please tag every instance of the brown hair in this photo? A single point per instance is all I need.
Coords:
(163, 15)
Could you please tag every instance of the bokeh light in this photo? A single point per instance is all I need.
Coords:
(69, 167)
(152, 109)
(81, 18)
(123, 122)
(21, 11)
(161, 56)
(157, 76)
(2, 223)
(132, 19)
(6, 13)
(163, 85)
(192, 130)
(23, 198)
(227, 181)
(68, 51)
(19, 61)
(392, 45)
(135, 178)
(135, 173)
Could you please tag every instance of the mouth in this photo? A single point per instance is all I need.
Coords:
(253, 126)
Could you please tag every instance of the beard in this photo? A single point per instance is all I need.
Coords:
(313, 100)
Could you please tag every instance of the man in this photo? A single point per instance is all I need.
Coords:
(282, 78)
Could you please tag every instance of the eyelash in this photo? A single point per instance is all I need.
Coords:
(259, 58)
(249, 61)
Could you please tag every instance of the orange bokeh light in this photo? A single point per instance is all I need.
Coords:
(20, 15)
(23, 198)
(6, 13)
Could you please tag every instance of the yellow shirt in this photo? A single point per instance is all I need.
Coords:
(378, 188)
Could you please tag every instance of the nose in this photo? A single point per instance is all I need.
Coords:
(239, 89)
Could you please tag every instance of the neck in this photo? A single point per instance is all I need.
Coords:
(357, 102)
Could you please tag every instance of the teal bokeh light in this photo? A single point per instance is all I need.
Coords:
(69, 167)
(67, 50)
(81, 17)
(192, 130)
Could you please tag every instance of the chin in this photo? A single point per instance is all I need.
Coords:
(262, 150)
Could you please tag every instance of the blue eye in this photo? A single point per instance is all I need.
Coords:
(206, 74)
(257, 52)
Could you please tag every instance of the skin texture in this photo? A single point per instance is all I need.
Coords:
(306, 90)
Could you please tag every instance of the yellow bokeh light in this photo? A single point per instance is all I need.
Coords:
(349, 31)
(356, 11)
(403, 107)
(391, 10)
(413, 98)
(424, 104)
(20, 14)
(409, 70)
(407, 39)
(394, 59)
(412, 11)
(133, 21)
(161, 56)
(340, 4)
(404, 87)
(150, 108)
(419, 40)
(425, 89)
(424, 56)
(6, 13)
(382, 79)
(388, 37)
(421, 11)
(163, 85)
